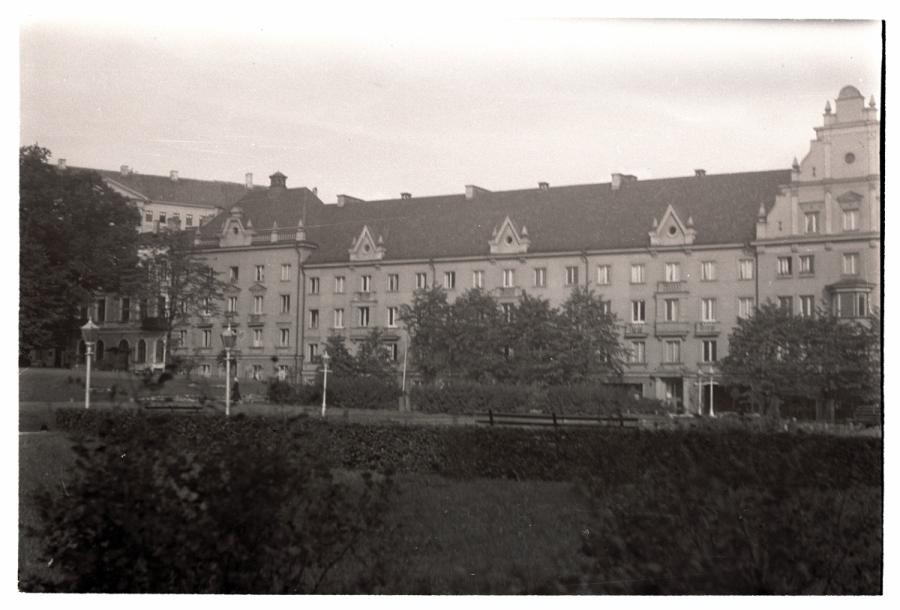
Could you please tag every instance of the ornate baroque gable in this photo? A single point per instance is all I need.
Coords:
(508, 240)
(234, 231)
(365, 248)
(671, 231)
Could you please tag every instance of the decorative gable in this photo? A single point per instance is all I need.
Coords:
(257, 288)
(671, 231)
(850, 200)
(365, 248)
(508, 240)
(234, 231)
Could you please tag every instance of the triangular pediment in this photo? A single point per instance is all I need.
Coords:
(366, 248)
(850, 198)
(671, 230)
(257, 288)
(508, 239)
(231, 290)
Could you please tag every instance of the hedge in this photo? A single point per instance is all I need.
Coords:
(355, 393)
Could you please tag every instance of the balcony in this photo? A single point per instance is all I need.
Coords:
(671, 287)
(672, 329)
(256, 319)
(707, 329)
(636, 330)
(365, 297)
(507, 292)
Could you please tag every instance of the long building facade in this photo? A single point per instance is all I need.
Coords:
(678, 260)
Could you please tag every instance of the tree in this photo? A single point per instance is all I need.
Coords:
(537, 343)
(341, 360)
(593, 350)
(77, 238)
(475, 336)
(427, 322)
(373, 359)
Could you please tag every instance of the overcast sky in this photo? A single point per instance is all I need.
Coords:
(373, 111)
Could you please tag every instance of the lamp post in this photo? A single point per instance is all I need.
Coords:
(89, 334)
(229, 335)
(325, 359)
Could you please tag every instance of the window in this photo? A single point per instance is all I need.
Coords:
(421, 281)
(206, 338)
(807, 305)
(285, 303)
(571, 276)
(257, 337)
(673, 272)
(852, 304)
(807, 264)
(811, 222)
(709, 350)
(181, 338)
(231, 305)
(603, 275)
(284, 337)
(339, 318)
(189, 220)
(745, 269)
(540, 277)
(672, 351)
(449, 280)
(282, 372)
(507, 311)
(313, 285)
(205, 370)
(285, 272)
(745, 307)
(394, 352)
(851, 263)
(392, 316)
(671, 310)
(233, 273)
(783, 266)
(256, 372)
(708, 310)
(313, 349)
(339, 284)
(362, 317)
(707, 271)
(786, 303)
(101, 311)
(260, 273)
(162, 218)
(638, 311)
(478, 279)
(148, 216)
(176, 216)
(125, 309)
(509, 278)
(393, 282)
(638, 352)
(258, 304)
(637, 273)
(365, 283)
(850, 220)
(605, 307)
(314, 318)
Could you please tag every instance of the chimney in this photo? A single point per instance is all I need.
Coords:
(699, 172)
(277, 180)
(173, 175)
(61, 164)
(125, 170)
(248, 180)
(472, 191)
(544, 186)
(405, 195)
(344, 199)
(619, 180)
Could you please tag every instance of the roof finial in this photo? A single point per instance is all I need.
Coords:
(524, 231)
(828, 107)
(872, 101)
(690, 221)
(655, 222)
(762, 210)
(795, 165)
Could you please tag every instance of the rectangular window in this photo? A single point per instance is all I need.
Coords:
(540, 277)
(783, 266)
(745, 307)
(478, 279)
(811, 222)
(125, 309)
(313, 285)
(206, 338)
(807, 305)
(148, 216)
(851, 263)
(708, 271)
(231, 305)
(852, 304)
(283, 371)
(638, 311)
(638, 352)
(339, 318)
(709, 350)
(571, 276)
(507, 311)
(362, 317)
(285, 303)
(101, 311)
(256, 372)
(205, 370)
(708, 310)
(605, 307)
(509, 278)
(189, 220)
(258, 304)
(671, 310)
(260, 273)
(284, 337)
(672, 351)
(603, 275)
(313, 350)
(421, 281)
(339, 284)
(162, 218)
(745, 269)
(233, 273)
(181, 338)
(807, 264)
(394, 352)
(314, 318)
(673, 272)
(176, 216)
(850, 220)
(637, 273)
(257, 337)
(786, 303)
(392, 313)
(365, 283)
(285, 272)
(393, 282)
(449, 280)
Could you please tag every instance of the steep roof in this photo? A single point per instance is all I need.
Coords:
(723, 207)
(207, 193)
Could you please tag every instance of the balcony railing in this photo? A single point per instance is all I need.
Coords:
(672, 329)
(507, 292)
(365, 297)
(636, 329)
(256, 318)
(707, 329)
(671, 286)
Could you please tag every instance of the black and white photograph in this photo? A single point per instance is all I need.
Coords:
(491, 306)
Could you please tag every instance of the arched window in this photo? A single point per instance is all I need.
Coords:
(141, 352)
(124, 355)
(159, 351)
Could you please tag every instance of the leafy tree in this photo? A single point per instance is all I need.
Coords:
(373, 359)
(427, 321)
(537, 341)
(342, 361)
(476, 337)
(593, 350)
(77, 238)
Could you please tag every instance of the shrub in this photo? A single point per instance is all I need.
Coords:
(598, 399)
(466, 398)
(280, 392)
(363, 392)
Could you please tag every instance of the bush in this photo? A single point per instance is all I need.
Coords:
(598, 399)
(363, 393)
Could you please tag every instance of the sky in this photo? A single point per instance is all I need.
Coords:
(372, 110)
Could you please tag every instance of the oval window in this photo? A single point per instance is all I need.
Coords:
(672, 230)
(849, 158)
(509, 239)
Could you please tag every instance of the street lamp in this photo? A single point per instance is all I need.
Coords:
(229, 336)
(89, 334)
(325, 359)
